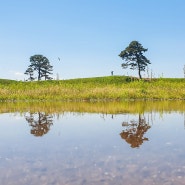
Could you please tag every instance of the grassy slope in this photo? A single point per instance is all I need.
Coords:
(93, 89)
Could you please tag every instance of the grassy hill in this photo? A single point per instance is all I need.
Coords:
(109, 88)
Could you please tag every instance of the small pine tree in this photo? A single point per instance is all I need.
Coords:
(30, 72)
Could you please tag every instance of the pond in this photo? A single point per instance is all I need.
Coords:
(85, 143)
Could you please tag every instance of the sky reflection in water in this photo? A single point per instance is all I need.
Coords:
(92, 148)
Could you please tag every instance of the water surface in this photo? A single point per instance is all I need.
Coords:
(126, 143)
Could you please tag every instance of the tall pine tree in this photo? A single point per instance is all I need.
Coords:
(133, 57)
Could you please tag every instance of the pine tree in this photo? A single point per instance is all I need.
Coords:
(133, 57)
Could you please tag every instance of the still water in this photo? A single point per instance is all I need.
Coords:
(86, 144)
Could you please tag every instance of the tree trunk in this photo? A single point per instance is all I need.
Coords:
(138, 65)
(139, 72)
(39, 75)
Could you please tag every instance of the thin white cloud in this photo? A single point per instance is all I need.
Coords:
(18, 74)
(15, 75)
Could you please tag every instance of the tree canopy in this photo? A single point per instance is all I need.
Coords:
(41, 65)
(30, 72)
(133, 57)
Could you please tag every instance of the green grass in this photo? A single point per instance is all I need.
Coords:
(110, 88)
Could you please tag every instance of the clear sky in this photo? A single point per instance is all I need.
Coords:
(88, 35)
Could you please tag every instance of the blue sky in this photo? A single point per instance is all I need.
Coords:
(88, 35)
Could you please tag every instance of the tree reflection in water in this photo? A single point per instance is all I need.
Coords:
(134, 131)
(40, 123)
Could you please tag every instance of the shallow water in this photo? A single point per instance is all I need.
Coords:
(72, 148)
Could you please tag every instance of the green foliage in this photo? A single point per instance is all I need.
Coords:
(40, 64)
(133, 57)
(110, 88)
(30, 72)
